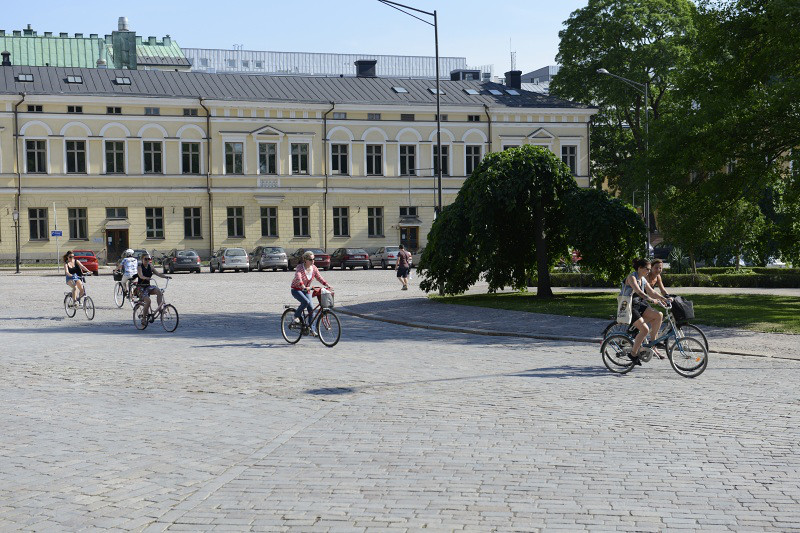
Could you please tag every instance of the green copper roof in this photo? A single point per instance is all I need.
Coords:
(40, 51)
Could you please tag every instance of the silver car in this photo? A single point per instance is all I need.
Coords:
(384, 257)
(235, 259)
(273, 257)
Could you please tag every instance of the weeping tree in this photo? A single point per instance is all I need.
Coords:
(515, 216)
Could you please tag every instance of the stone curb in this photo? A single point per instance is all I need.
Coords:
(494, 333)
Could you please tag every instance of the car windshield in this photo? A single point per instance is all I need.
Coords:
(274, 250)
(353, 251)
(316, 251)
(392, 249)
(235, 252)
(187, 253)
(84, 254)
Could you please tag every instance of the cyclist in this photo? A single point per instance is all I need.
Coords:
(645, 318)
(304, 275)
(145, 273)
(129, 266)
(654, 277)
(74, 270)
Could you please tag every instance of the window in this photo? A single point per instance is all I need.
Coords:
(236, 222)
(445, 160)
(190, 158)
(74, 79)
(245, 63)
(472, 92)
(374, 160)
(300, 221)
(24, 77)
(113, 110)
(77, 223)
(36, 154)
(407, 117)
(495, 92)
(203, 61)
(569, 155)
(341, 221)
(189, 112)
(473, 118)
(191, 223)
(269, 221)
(444, 117)
(152, 157)
(373, 116)
(74, 109)
(35, 109)
(267, 158)
(231, 63)
(399, 90)
(375, 222)
(115, 157)
(408, 165)
(116, 212)
(299, 158)
(259, 64)
(512, 92)
(154, 222)
(152, 111)
(339, 158)
(339, 116)
(408, 211)
(76, 157)
(122, 80)
(234, 158)
(473, 152)
(435, 91)
(37, 216)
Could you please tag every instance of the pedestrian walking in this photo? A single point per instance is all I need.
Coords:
(403, 266)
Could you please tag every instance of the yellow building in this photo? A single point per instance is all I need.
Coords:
(159, 160)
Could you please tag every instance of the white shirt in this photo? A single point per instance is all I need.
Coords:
(129, 266)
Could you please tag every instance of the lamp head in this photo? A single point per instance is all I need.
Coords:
(15, 214)
(602, 71)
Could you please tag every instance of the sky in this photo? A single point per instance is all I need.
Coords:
(485, 32)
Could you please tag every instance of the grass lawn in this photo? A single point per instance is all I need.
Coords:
(756, 312)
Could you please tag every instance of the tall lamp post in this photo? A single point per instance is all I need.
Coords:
(643, 88)
(15, 216)
(435, 24)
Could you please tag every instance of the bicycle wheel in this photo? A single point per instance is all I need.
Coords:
(119, 294)
(615, 349)
(688, 357)
(329, 329)
(88, 307)
(69, 305)
(692, 331)
(140, 316)
(615, 327)
(169, 318)
(291, 332)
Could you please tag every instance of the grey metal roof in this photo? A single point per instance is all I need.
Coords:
(244, 87)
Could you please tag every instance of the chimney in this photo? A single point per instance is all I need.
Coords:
(152, 41)
(6, 59)
(514, 79)
(122, 24)
(167, 40)
(28, 31)
(48, 34)
(365, 68)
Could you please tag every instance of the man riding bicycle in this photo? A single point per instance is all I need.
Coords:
(129, 266)
(304, 275)
(145, 273)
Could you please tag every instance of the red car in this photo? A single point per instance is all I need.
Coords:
(321, 259)
(88, 259)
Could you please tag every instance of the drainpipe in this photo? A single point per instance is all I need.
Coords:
(208, 179)
(19, 174)
(589, 152)
(325, 166)
(489, 121)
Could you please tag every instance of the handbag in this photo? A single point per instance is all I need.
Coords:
(624, 310)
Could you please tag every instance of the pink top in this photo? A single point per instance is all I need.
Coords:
(302, 281)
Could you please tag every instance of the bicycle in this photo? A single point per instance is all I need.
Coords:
(687, 330)
(687, 355)
(85, 301)
(143, 316)
(328, 327)
(124, 290)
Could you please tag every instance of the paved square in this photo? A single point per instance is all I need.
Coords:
(222, 425)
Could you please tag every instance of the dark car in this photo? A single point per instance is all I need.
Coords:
(181, 260)
(350, 258)
(88, 259)
(273, 257)
(321, 259)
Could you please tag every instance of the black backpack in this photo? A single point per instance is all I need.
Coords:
(682, 310)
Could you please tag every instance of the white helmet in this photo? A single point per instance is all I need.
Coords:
(128, 253)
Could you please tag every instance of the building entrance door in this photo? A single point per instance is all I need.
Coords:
(116, 243)
(409, 237)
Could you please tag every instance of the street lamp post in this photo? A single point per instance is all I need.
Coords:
(15, 216)
(435, 24)
(643, 88)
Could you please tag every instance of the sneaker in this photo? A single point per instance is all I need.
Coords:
(404, 288)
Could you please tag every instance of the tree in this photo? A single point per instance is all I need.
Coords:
(515, 216)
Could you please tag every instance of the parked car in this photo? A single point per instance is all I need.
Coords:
(181, 260)
(662, 252)
(775, 262)
(88, 259)
(138, 253)
(321, 259)
(350, 258)
(384, 257)
(273, 257)
(235, 259)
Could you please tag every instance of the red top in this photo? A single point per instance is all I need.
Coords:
(302, 281)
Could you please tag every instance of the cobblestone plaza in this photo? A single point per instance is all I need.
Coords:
(223, 426)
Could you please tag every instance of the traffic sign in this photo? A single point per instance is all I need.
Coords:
(56, 233)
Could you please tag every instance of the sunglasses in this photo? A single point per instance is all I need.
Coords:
(145, 259)
(70, 256)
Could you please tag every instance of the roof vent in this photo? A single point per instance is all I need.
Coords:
(63, 34)
(122, 24)
(365, 68)
(152, 41)
(79, 36)
(28, 31)
(6, 59)
(101, 63)
(48, 34)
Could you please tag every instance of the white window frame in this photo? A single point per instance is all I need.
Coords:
(577, 158)
(46, 154)
(349, 158)
(125, 153)
(383, 159)
(449, 165)
(301, 140)
(340, 218)
(86, 144)
(163, 157)
(277, 144)
(238, 139)
(416, 158)
(482, 155)
(180, 154)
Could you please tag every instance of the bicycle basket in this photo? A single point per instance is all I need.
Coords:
(326, 299)
(117, 275)
(682, 310)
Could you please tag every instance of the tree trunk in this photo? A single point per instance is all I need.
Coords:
(692, 262)
(543, 289)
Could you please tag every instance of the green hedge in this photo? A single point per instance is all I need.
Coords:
(755, 270)
(772, 278)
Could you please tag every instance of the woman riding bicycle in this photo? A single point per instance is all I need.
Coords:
(645, 318)
(304, 275)
(74, 270)
(654, 277)
(145, 272)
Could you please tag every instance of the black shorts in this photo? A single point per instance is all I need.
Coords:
(637, 310)
(402, 272)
